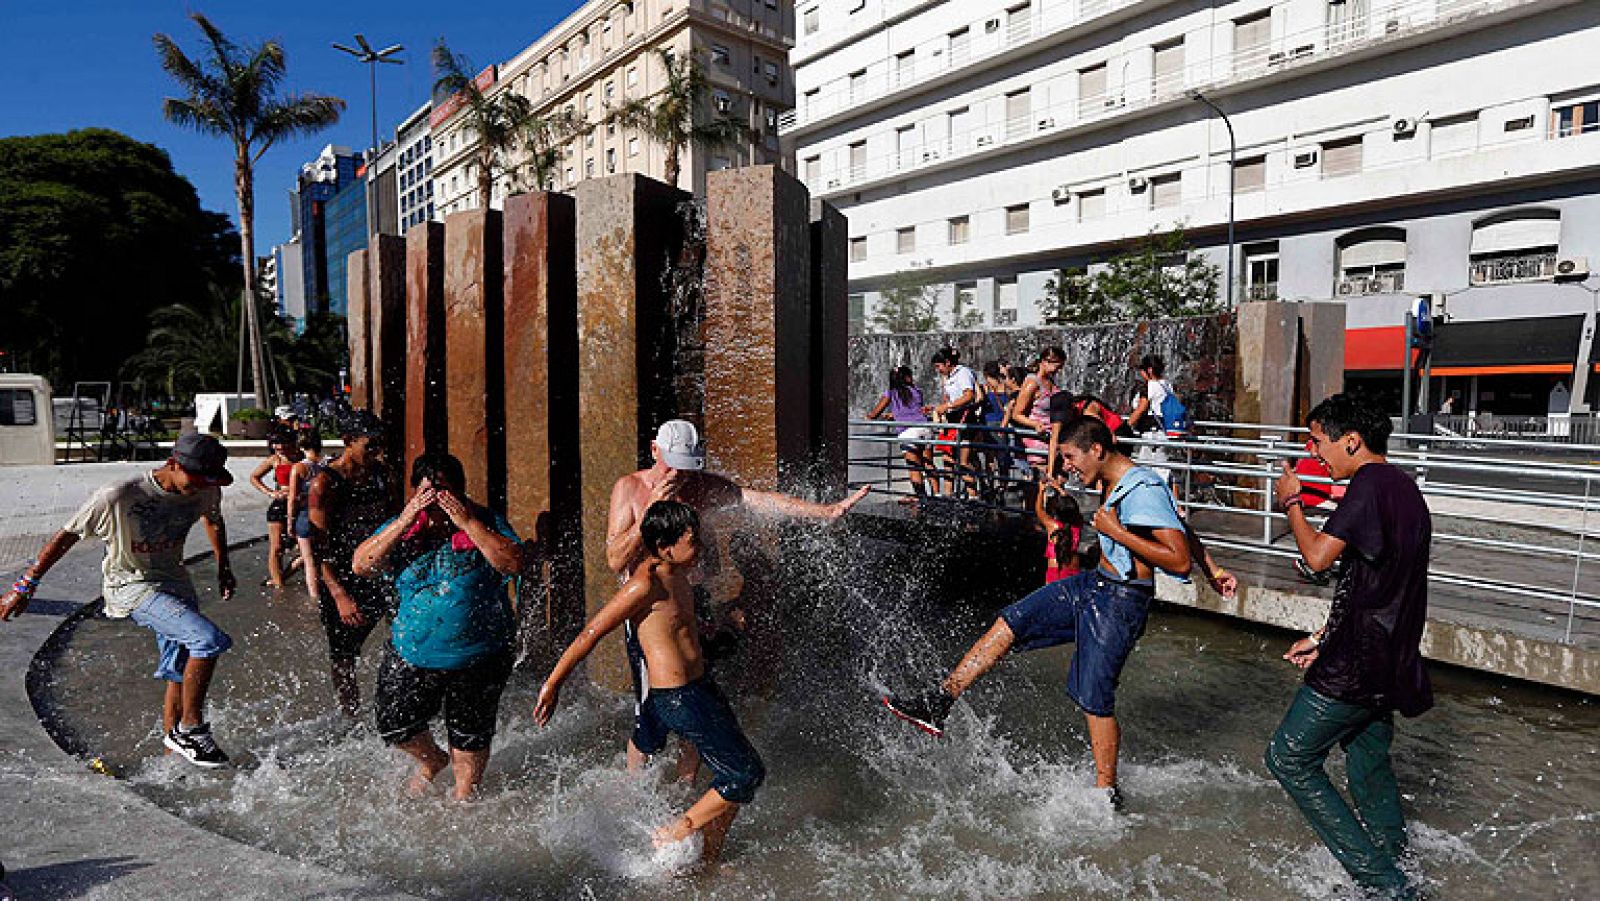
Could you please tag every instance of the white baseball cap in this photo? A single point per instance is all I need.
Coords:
(679, 443)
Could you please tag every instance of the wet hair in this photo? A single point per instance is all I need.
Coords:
(901, 381)
(946, 355)
(1342, 414)
(1053, 354)
(1154, 364)
(993, 370)
(1063, 406)
(280, 436)
(1062, 507)
(1083, 432)
(1018, 373)
(438, 467)
(311, 441)
(665, 523)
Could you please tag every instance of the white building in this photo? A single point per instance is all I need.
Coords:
(1385, 148)
(414, 179)
(601, 57)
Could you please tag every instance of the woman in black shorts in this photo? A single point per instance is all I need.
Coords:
(350, 498)
(282, 455)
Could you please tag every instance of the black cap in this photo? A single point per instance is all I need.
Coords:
(204, 456)
(1063, 406)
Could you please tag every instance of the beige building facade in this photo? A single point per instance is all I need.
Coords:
(602, 57)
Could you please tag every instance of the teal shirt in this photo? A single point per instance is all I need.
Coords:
(454, 609)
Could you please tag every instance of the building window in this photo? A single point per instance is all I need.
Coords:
(1250, 174)
(957, 44)
(1092, 205)
(1519, 246)
(857, 82)
(858, 160)
(1371, 261)
(719, 54)
(1166, 191)
(905, 240)
(633, 147)
(1251, 37)
(1092, 90)
(1520, 123)
(812, 170)
(1005, 302)
(1017, 219)
(858, 249)
(633, 77)
(772, 73)
(1575, 119)
(1341, 157)
(857, 315)
(965, 312)
(611, 160)
(720, 162)
(1261, 271)
(812, 20)
(960, 229)
(1168, 67)
(588, 168)
(904, 66)
(1018, 108)
(772, 120)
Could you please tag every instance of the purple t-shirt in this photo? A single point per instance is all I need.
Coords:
(909, 409)
(1371, 653)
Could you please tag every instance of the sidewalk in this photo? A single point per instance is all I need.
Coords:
(68, 831)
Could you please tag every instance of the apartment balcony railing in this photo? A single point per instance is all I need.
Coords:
(1358, 285)
(1529, 267)
(1261, 291)
(1376, 25)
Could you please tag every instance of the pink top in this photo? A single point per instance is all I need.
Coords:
(1039, 412)
(1054, 571)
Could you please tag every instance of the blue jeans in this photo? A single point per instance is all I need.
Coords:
(1102, 616)
(181, 632)
(1367, 847)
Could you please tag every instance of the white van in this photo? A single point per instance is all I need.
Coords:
(27, 423)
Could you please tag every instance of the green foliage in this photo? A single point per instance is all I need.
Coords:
(96, 231)
(675, 116)
(1157, 279)
(496, 119)
(906, 304)
(250, 414)
(965, 318)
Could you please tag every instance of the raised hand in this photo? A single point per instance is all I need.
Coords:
(1107, 522)
(454, 508)
(842, 507)
(1288, 484)
(419, 502)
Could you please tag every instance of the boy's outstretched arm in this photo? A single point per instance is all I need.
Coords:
(629, 600)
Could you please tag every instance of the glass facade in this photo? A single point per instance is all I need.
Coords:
(345, 231)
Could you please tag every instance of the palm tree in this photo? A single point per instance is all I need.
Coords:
(497, 121)
(188, 348)
(233, 93)
(670, 116)
(543, 138)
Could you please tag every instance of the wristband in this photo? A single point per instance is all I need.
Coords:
(25, 586)
(1217, 575)
(1314, 639)
(1296, 501)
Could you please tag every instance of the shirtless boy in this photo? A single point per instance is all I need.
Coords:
(659, 604)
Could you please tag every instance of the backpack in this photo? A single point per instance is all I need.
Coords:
(1173, 414)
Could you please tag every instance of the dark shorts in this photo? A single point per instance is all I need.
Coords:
(371, 596)
(409, 697)
(302, 523)
(278, 511)
(700, 714)
(1103, 616)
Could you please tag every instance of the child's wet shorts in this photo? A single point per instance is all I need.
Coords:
(409, 697)
(699, 712)
(1103, 616)
(278, 510)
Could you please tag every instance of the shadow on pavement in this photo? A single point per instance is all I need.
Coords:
(70, 880)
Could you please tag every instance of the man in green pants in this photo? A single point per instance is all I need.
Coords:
(1365, 663)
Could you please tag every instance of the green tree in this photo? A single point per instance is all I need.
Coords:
(674, 116)
(189, 348)
(233, 92)
(496, 120)
(966, 317)
(543, 138)
(96, 231)
(906, 304)
(1158, 278)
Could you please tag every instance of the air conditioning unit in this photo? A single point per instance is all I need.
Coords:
(1046, 123)
(1305, 159)
(1113, 102)
(992, 26)
(1346, 287)
(1138, 183)
(1276, 58)
(833, 183)
(1061, 194)
(1391, 26)
(984, 140)
(1405, 128)
(1576, 268)
(929, 155)
(1303, 50)
(724, 104)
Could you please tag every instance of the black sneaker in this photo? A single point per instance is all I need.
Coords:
(196, 746)
(925, 711)
(1114, 795)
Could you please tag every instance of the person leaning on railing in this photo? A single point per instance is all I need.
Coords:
(902, 402)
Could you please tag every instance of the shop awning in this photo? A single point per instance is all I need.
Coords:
(1543, 345)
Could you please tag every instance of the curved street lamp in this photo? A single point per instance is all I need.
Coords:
(1233, 163)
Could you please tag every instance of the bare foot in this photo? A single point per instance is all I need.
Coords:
(674, 832)
(421, 780)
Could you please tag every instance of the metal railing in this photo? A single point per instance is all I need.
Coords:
(1516, 527)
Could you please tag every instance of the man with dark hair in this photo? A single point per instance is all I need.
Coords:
(1103, 611)
(1366, 661)
(144, 522)
(659, 603)
(962, 405)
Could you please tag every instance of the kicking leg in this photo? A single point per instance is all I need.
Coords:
(711, 806)
(980, 658)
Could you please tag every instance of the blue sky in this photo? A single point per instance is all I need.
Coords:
(68, 64)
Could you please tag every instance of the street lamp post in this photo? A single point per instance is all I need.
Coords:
(1233, 162)
(372, 57)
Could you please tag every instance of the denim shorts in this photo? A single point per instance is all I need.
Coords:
(699, 712)
(302, 524)
(181, 632)
(1103, 616)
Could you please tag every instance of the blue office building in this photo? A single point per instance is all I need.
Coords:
(329, 208)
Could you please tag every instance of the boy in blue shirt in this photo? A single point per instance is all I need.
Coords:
(1103, 611)
(450, 643)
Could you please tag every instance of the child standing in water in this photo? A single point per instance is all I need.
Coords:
(299, 512)
(658, 602)
(1063, 526)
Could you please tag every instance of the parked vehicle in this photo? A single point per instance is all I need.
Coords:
(27, 421)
